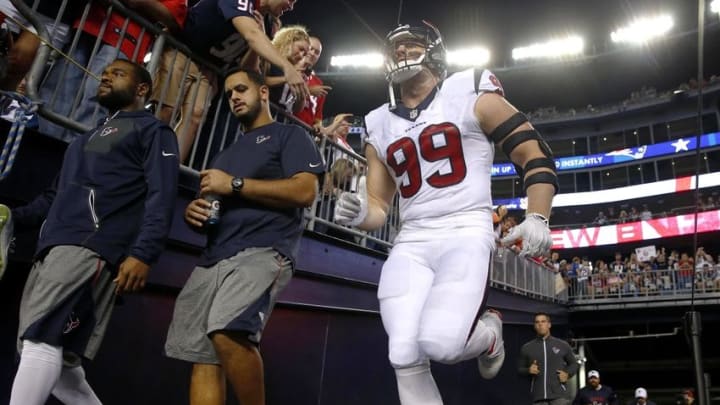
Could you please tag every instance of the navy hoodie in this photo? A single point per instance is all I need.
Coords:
(115, 193)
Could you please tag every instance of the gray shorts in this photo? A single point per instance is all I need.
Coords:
(236, 294)
(67, 301)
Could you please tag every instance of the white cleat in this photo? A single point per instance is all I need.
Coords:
(491, 361)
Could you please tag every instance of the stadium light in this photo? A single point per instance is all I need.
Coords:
(366, 60)
(475, 56)
(643, 30)
(572, 45)
(715, 6)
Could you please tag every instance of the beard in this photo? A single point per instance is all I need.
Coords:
(247, 118)
(116, 99)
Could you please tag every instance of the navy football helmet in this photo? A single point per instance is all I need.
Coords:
(424, 34)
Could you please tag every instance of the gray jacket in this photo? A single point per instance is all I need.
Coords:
(551, 354)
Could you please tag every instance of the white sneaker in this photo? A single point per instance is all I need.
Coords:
(492, 360)
(6, 235)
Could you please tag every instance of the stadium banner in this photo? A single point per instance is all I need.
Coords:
(708, 221)
(671, 186)
(678, 146)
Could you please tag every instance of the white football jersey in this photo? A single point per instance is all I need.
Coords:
(440, 158)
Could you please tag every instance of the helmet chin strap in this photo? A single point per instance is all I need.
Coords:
(402, 74)
(391, 92)
(392, 105)
(405, 74)
(406, 69)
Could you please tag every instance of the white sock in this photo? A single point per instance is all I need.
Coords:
(416, 386)
(73, 389)
(39, 370)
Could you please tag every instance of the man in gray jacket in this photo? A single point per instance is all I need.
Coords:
(549, 362)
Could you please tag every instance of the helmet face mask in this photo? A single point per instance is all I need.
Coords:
(425, 36)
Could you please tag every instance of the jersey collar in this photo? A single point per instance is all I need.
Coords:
(411, 114)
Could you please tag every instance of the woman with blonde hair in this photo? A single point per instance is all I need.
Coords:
(293, 43)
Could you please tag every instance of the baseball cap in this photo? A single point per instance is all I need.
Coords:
(641, 393)
(594, 373)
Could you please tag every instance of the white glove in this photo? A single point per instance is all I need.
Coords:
(351, 208)
(534, 233)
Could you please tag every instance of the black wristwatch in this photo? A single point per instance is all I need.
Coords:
(237, 184)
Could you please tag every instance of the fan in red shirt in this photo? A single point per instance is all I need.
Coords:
(312, 112)
(135, 43)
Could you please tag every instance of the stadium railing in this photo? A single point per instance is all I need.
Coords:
(644, 285)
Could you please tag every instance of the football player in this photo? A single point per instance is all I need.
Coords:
(434, 146)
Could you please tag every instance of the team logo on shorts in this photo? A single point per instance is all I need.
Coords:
(72, 323)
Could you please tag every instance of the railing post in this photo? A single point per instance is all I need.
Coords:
(156, 54)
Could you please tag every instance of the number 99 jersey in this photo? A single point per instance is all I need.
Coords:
(440, 158)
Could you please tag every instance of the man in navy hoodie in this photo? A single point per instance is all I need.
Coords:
(106, 220)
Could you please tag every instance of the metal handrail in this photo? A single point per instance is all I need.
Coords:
(650, 285)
